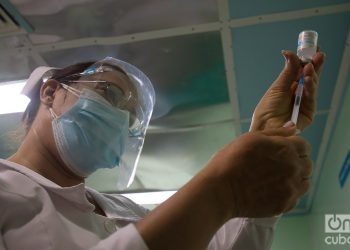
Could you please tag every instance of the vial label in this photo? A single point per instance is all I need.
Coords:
(307, 45)
(306, 42)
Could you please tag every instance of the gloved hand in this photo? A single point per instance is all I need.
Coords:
(275, 107)
(266, 172)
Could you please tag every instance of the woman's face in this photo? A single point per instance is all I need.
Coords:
(63, 100)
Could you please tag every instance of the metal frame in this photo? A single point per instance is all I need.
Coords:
(225, 22)
(24, 26)
(226, 39)
(290, 15)
(130, 38)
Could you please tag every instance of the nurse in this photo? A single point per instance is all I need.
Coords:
(94, 115)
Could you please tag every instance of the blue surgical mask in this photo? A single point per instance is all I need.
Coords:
(91, 135)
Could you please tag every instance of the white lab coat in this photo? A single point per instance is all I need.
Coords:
(36, 213)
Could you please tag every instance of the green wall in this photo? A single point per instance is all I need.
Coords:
(293, 233)
(308, 231)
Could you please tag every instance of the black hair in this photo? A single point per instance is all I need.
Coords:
(59, 75)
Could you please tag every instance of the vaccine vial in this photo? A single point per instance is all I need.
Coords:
(307, 45)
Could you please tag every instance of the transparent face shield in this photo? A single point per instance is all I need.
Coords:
(126, 88)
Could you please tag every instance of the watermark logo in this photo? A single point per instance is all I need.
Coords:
(337, 223)
(337, 227)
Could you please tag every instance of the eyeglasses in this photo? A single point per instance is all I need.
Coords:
(111, 92)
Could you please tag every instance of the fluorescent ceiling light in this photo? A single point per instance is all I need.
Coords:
(149, 198)
(11, 99)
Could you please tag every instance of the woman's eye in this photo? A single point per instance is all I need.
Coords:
(102, 86)
(100, 90)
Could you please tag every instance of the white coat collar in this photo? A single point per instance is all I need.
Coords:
(75, 194)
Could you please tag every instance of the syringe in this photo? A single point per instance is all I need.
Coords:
(297, 100)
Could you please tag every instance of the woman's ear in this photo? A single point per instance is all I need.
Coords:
(48, 91)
